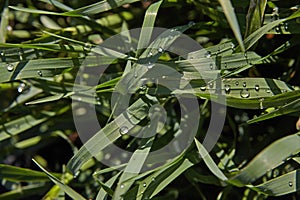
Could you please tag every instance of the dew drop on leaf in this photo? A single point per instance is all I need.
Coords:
(290, 183)
(245, 93)
(9, 67)
(256, 87)
(244, 84)
(211, 66)
(237, 83)
(211, 85)
(227, 89)
(207, 54)
(121, 186)
(144, 184)
(286, 26)
(39, 73)
(203, 88)
(150, 65)
(160, 50)
(123, 130)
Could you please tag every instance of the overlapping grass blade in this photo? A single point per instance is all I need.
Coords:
(99, 7)
(255, 15)
(292, 107)
(72, 193)
(26, 122)
(4, 22)
(282, 185)
(271, 157)
(147, 27)
(25, 191)
(255, 36)
(133, 115)
(106, 187)
(18, 174)
(209, 161)
(232, 20)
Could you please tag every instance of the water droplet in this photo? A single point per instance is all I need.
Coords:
(164, 77)
(150, 54)
(232, 47)
(160, 50)
(261, 103)
(277, 29)
(284, 91)
(245, 93)
(290, 183)
(144, 184)
(225, 65)
(244, 84)
(237, 83)
(143, 87)
(203, 88)
(87, 47)
(256, 87)
(122, 186)
(39, 73)
(268, 90)
(22, 88)
(21, 54)
(150, 65)
(286, 26)
(211, 85)
(2, 54)
(211, 66)
(207, 54)
(10, 67)
(227, 89)
(153, 179)
(191, 23)
(123, 130)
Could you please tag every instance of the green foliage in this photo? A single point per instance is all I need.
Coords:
(43, 46)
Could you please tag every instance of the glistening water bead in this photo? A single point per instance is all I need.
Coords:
(227, 89)
(39, 73)
(9, 67)
(245, 93)
(123, 130)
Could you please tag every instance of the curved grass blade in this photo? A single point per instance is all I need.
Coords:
(255, 36)
(4, 22)
(99, 7)
(62, 185)
(209, 161)
(43, 12)
(18, 174)
(25, 191)
(271, 157)
(26, 122)
(133, 115)
(255, 16)
(292, 107)
(149, 21)
(282, 185)
(106, 187)
(232, 20)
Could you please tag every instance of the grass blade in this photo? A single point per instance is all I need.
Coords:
(232, 20)
(63, 186)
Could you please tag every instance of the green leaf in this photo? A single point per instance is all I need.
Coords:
(254, 18)
(18, 174)
(106, 136)
(62, 185)
(255, 36)
(282, 185)
(4, 22)
(232, 20)
(148, 25)
(209, 161)
(271, 157)
(106, 187)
